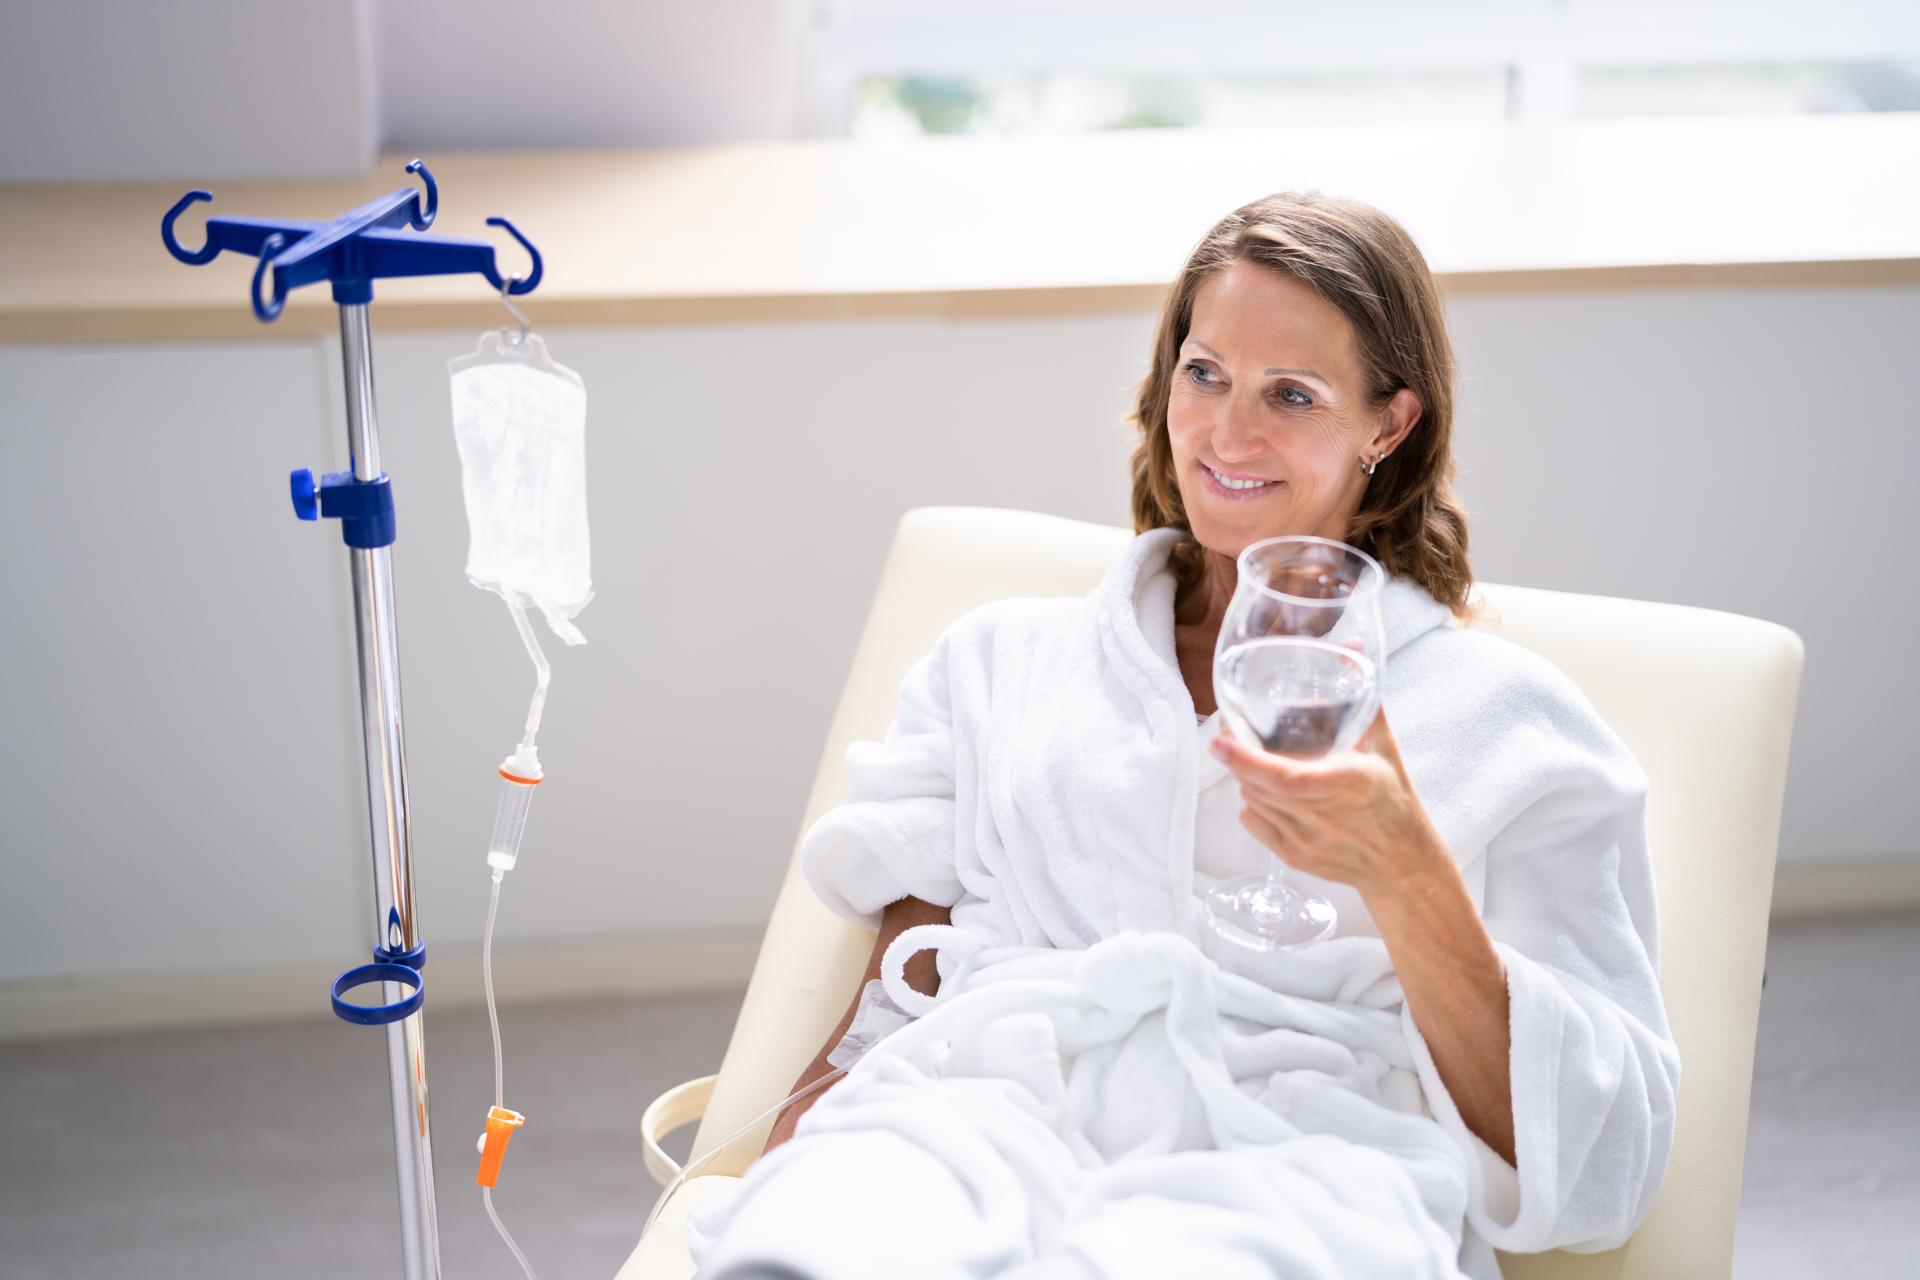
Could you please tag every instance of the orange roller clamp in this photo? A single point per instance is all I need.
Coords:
(500, 1126)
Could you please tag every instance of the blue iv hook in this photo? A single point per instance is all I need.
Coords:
(352, 251)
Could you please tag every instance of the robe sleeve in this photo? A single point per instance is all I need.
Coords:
(893, 835)
(1569, 902)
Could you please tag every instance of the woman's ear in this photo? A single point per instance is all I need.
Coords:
(1402, 412)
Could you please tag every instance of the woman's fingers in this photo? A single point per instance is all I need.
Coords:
(1281, 779)
(1292, 844)
(1377, 740)
(1248, 764)
(1355, 818)
(1228, 749)
(1264, 831)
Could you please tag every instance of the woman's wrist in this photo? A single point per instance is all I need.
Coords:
(1425, 880)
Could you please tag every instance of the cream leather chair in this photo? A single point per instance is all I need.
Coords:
(1704, 699)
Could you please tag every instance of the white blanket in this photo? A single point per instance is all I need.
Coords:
(1041, 779)
(1125, 1111)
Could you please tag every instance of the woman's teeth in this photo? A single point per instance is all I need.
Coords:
(1227, 483)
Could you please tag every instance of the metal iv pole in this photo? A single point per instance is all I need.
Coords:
(377, 645)
(352, 251)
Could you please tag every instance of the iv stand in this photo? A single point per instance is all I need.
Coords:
(351, 252)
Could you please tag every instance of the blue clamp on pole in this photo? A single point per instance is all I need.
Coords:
(352, 251)
(306, 499)
(375, 1015)
(364, 508)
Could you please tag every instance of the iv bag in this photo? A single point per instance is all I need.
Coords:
(520, 421)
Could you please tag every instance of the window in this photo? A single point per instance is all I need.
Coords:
(879, 68)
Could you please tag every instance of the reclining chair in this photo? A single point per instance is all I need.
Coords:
(1704, 699)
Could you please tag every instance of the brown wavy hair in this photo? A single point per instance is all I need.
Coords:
(1368, 267)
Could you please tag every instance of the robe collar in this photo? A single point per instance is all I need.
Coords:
(1136, 598)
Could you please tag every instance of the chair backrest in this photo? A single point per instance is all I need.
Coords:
(1704, 699)
(944, 562)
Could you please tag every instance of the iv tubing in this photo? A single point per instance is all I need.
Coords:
(696, 1167)
(486, 977)
(493, 1020)
(544, 672)
(486, 1194)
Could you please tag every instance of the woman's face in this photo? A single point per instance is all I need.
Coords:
(1268, 414)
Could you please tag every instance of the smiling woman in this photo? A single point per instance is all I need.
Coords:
(1089, 1081)
(1347, 433)
(1301, 349)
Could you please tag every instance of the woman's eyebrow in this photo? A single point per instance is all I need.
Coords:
(1295, 373)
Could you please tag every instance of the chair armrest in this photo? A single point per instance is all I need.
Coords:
(682, 1104)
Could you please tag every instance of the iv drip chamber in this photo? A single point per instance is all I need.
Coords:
(519, 775)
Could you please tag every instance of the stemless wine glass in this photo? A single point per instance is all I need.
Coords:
(1296, 672)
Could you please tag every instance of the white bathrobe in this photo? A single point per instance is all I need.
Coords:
(1102, 1088)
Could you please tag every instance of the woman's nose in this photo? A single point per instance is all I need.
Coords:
(1236, 432)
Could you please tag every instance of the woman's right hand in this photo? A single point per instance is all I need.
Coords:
(921, 975)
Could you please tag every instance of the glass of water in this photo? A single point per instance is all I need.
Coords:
(1296, 672)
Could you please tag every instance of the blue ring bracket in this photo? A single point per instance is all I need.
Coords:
(375, 1015)
(373, 242)
(414, 959)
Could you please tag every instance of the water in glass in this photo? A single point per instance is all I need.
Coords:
(1296, 672)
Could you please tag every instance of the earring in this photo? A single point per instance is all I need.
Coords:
(1368, 464)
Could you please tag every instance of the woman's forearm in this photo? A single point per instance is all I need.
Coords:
(1359, 821)
(1456, 989)
(921, 975)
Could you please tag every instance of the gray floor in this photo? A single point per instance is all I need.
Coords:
(1832, 1187)
(263, 1152)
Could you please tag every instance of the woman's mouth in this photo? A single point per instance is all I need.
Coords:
(1237, 486)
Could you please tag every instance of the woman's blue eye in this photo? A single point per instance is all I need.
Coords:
(1198, 372)
(1294, 395)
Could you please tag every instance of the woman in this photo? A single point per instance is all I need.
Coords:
(1478, 1057)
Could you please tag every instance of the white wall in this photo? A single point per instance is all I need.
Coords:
(124, 90)
(1749, 451)
(181, 769)
(127, 90)
(179, 764)
(180, 774)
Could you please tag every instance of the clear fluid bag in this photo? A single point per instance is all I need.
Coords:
(520, 421)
